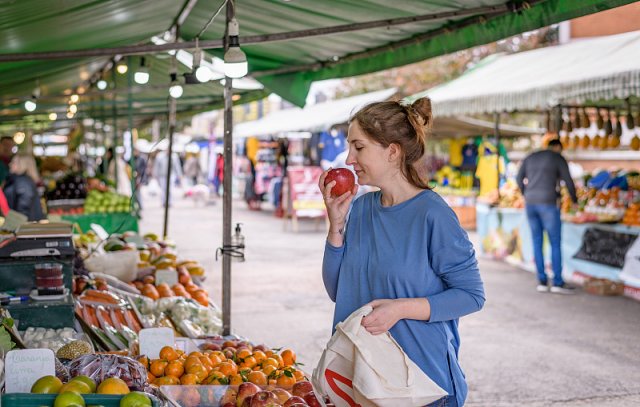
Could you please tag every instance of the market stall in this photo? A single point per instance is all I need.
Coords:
(594, 111)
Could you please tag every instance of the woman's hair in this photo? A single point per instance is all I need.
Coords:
(405, 125)
(25, 164)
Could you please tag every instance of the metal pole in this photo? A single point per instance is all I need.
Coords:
(130, 117)
(114, 111)
(496, 132)
(172, 126)
(226, 196)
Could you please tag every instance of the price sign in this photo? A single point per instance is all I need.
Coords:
(152, 340)
(24, 367)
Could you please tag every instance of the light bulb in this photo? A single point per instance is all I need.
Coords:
(122, 68)
(141, 77)
(102, 84)
(74, 98)
(203, 74)
(73, 109)
(53, 116)
(69, 115)
(175, 91)
(30, 105)
(236, 69)
(235, 61)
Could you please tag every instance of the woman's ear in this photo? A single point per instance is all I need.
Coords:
(394, 152)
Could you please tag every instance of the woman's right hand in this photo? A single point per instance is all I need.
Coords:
(338, 207)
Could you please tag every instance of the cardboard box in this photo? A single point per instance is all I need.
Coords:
(602, 286)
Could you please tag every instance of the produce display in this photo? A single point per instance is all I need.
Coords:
(106, 202)
(602, 206)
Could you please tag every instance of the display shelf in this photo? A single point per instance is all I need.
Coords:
(46, 314)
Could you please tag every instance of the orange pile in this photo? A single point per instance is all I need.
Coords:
(185, 288)
(229, 366)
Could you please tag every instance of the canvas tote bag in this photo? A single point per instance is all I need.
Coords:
(360, 369)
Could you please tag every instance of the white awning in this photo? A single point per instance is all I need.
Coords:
(312, 118)
(601, 68)
(455, 127)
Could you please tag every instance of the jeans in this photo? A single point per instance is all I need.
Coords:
(448, 401)
(546, 217)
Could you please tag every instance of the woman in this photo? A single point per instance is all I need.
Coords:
(20, 187)
(401, 250)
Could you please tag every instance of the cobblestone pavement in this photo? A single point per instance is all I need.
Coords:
(523, 349)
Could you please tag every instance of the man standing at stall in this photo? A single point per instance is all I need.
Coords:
(538, 181)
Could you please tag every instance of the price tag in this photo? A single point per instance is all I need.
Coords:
(152, 340)
(24, 367)
(168, 276)
(186, 345)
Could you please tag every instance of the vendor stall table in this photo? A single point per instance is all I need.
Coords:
(505, 235)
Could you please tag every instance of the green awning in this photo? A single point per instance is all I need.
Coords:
(286, 67)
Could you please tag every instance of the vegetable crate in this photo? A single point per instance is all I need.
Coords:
(38, 400)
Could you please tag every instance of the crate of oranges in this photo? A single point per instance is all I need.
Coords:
(235, 363)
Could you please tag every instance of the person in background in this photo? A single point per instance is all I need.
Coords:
(105, 162)
(7, 149)
(401, 249)
(538, 180)
(218, 174)
(160, 168)
(20, 188)
(192, 168)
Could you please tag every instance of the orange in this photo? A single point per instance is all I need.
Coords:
(192, 360)
(206, 362)
(257, 377)
(243, 353)
(201, 296)
(299, 375)
(195, 353)
(249, 361)
(216, 378)
(259, 356)
(198, 370)
(236, 379)
(270, 362)
(86, 380)
(174, 368)
(227, 368)
(189, 379)
(165, 381)
(168, 353)
(47, 385)
(77, 386)
(219, 354)
(288, 357)
(286, 380)
(269, 369)
(150, 377)
(157, 367)
(113, 385)
(279, 359)
(215, 359)
(144, 361)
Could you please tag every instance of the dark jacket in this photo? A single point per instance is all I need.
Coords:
(22, 196)
(542, 170)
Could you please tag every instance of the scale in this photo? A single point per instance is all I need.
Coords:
(39, 240)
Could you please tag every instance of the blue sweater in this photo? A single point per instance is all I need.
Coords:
(415, 249)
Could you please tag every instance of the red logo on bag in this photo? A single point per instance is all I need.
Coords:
(333, 377)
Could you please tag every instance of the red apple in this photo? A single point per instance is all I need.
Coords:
(311, 400)
(264, 399)
(301, 388)
(281, 394)
(344, 178)
(230, 404)
(294, 401)
(246, 390)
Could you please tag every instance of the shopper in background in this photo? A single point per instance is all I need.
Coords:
(160, 168)
(192, 168)
(7, 149)
(20, 187)
(401, 250)
(538, 180)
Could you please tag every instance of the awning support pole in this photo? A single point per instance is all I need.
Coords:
(496, 132)
(227, 193)
(167, 187)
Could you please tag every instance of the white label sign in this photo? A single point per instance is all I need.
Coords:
(167, 276)
(23, 367)
(186, 345)
(152, 340)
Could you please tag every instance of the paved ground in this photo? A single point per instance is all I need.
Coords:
(523, 349)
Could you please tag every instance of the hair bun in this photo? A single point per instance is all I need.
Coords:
(422, 108)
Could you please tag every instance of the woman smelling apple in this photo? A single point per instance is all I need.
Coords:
(401, 250)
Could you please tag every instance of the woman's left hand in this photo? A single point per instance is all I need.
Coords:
(386, 313)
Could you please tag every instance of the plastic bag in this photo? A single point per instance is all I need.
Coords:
(121, 264)
(99, 367)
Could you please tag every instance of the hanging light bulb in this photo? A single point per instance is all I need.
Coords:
(175, 91)
(122, 67)
(74, 99)
(102, 84)
(142, 74)
(69, 115)
(53, 116)
(203, 74)
(73, 108)
(235, 61)
(30, 105)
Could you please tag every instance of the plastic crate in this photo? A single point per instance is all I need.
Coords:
(46, 400)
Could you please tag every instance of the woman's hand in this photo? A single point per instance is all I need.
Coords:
(386, 313)
(338, 207)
